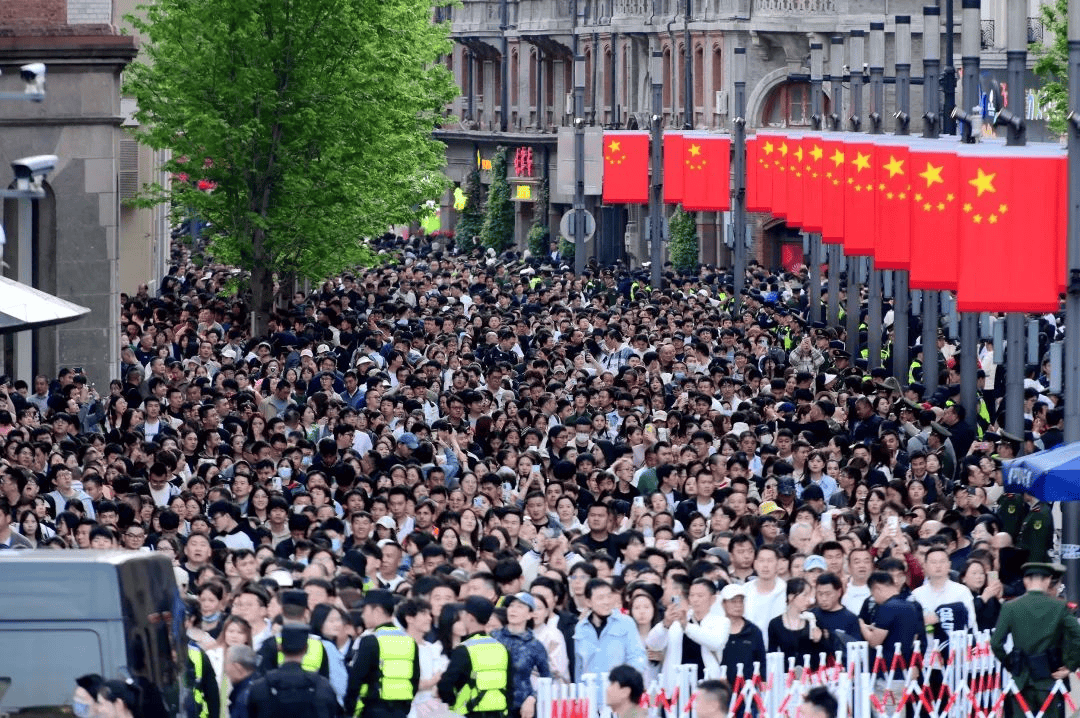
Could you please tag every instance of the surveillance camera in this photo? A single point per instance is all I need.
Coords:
(31, 171)
(34, 77)
(846, 69)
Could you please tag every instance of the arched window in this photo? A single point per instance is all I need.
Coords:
(667, 79)
(514, 67)
(788, 105)
(699, 76)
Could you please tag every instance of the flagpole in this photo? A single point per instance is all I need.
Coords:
(738, 204)
(1071, 509)
(901, 293)
(836, 255)
(931, 130)
(854, 299)
(1015, 58)
(656, 205)
(970, 43)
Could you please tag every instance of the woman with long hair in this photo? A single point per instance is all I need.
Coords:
(795, 632)
(235, 631)
(330, 623)
(986, 593)
(450, 631)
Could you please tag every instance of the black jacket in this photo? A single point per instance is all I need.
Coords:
(267, 699)
(364, 670)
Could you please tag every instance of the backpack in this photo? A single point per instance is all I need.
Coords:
(293, 695)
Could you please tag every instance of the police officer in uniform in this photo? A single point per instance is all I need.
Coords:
(1046, 639)
(290, 691)
(476, 683)
(385, 672)
(294, 612)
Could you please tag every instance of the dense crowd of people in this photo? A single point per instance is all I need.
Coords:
(591, 473)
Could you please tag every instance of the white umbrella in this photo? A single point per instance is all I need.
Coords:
(23, 307)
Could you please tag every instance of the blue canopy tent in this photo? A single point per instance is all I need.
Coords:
(1051, 475)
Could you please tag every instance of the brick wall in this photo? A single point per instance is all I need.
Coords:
(37, 18)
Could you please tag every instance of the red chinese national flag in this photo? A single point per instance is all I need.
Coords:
(1010, 231)
(626, 168)
(673, 172)
(833, 189)
(706, 173)
(754, 197)
(763, 175)
(795, 194)
(859, 193)
(892, 248)
(934, 217)
(781, 148)
(813, 182)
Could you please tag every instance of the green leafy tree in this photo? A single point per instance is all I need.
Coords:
(1052, 65)
(683, 240)
(498, 230)
(540, 233)
(312, 119)
(471, 220)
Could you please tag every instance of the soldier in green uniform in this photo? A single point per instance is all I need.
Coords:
(1046, 639)
(1037, 531)
(1012, 510)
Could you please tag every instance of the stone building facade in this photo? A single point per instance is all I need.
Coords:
(531, 44)
(76, 228)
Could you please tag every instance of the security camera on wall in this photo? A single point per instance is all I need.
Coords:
(30, 172)
(33, 75)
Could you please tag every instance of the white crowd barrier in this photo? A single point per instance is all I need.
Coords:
(968, 682)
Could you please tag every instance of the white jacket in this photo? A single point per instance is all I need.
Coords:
(711, 633)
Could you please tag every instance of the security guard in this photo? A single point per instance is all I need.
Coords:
(290, 691)
(1046, 639)
(204, 698)
(385, 672)
(294, 612)
(476, 683)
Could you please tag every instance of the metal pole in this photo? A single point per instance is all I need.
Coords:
(931, 66)
(1016, 58)
(931, 129)
(579, 160)
(816, 108)
(656, 205)
(1071, 509)
(738, 204)
(948, 74)
(855, 65)
(903, 74)
(854, 287)
(613, 88)
(877, 76)
(877, 101)
(24, 341)
(836, 81)
(836, 256)
(970, 42)
(504, 90)
(688, 77)
(901, 293)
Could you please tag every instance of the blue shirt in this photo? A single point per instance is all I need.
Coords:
(526, 653)
(904, 622)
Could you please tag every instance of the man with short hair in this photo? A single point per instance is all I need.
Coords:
(290, 690)
(625, 688)
(947, 605)
(8, 538)
(765, 595)
(477, 683)
(860, 565)
(829, 611)
(240, 665)
(713, 699)
(605, 638)
(385, 673)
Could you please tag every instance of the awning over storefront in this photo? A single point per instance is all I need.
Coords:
(23, 307)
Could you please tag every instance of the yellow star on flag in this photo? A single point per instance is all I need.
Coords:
(837, 158)
(798, 154)
(967, 206)
(918, 197)
(993, 219)
(978, 219)
(768, 148)
(783, 149)
(695, 150)
(983, 182)
(861, 161)
(895, 166)
(932, 174)
(1003, 208)
(950, 197)
(817, 153)
(614, 146)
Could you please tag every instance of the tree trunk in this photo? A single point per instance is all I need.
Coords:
(262, 287)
